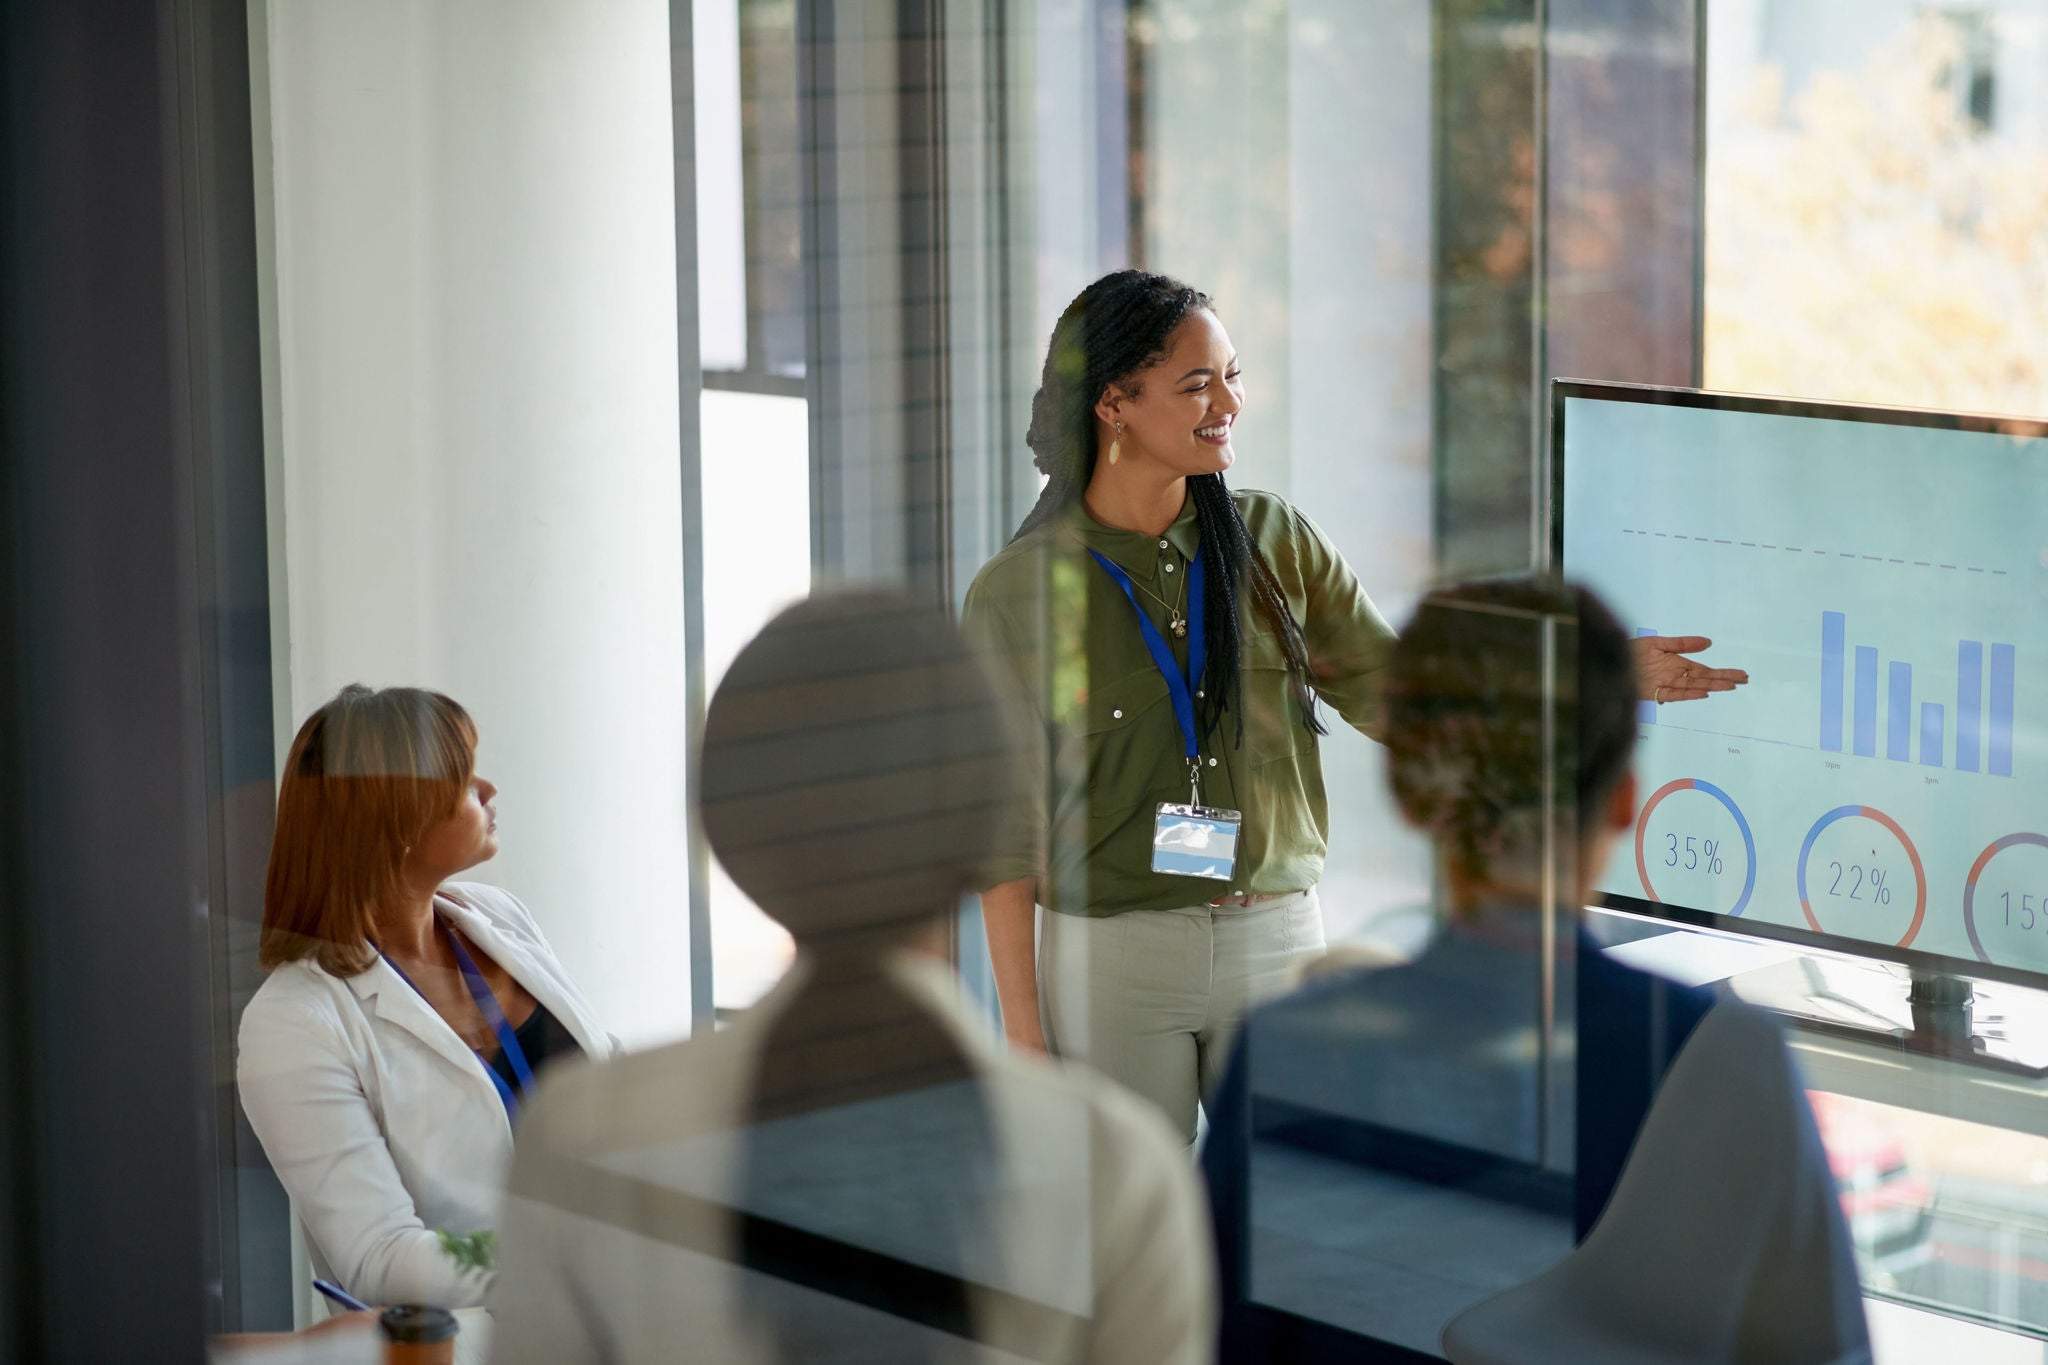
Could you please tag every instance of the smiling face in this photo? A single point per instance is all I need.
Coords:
(1177, 414)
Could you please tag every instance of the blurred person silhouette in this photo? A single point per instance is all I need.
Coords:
(1742, 1250)
(853, 1170)
(1176, 641)
(383, 1062)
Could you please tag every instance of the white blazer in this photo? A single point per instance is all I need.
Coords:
(384, 1126)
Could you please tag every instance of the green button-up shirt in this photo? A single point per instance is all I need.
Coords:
(1104, 747)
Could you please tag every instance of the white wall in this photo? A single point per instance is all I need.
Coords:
(477, 434)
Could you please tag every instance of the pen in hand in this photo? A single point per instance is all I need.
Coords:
(342, 1296)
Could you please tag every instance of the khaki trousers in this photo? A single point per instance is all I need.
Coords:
(1151, 998)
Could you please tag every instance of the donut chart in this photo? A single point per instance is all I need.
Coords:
(1728, 803)
(1991, 850)
(1912, 853)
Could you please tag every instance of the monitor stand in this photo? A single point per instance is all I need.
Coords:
(1944, 1008)
(1931, 1013)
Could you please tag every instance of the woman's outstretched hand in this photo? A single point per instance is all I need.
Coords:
(1668, 675)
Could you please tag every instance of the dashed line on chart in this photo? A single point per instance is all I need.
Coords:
(1729, 734)
(1800, 550)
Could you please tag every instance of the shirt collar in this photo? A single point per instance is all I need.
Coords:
(1133, 551)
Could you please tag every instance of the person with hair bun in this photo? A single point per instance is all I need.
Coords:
(384, 1061)
(1670, 1125)
(1137, 567)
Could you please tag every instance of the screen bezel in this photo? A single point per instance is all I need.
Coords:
(1561, 391)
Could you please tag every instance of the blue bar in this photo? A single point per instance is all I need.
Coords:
(1898, 715)
(1866, 701)
(1646, 711)
(1831, 626)
(1930, 733)
(1969, 703)
(2001, 711)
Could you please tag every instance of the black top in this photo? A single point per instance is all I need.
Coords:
(542, 1038)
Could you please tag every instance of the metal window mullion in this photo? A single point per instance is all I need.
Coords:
(689, 385)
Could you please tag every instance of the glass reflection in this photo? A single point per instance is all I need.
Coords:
(1382, 1156)
(853, 1170)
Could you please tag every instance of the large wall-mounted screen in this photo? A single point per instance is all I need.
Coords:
(1883, 577)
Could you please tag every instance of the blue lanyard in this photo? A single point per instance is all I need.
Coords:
(494, 1016)
(1181, 689)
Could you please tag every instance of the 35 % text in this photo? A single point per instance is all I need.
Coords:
(1698, 854)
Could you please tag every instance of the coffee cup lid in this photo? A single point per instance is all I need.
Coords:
(417, 1325)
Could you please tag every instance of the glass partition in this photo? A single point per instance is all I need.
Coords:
(1136, 417)
(1408, 219)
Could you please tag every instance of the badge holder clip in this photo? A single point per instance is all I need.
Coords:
(1195, 840)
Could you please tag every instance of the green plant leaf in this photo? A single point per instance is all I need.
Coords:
(474, 1251)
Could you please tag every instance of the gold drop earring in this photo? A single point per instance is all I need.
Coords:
(1116, 443)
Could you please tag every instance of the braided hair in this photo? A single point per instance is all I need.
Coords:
(1116, 327)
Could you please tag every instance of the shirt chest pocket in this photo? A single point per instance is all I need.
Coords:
(1136, 754)
(1273, 725)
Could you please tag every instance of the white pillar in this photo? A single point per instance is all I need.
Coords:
(477, 436)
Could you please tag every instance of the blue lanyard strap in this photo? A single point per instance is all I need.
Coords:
(494, 1017)
(1180, 689)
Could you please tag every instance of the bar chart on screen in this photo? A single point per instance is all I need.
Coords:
(1983, 727)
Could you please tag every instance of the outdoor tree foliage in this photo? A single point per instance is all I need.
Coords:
(1868, 240)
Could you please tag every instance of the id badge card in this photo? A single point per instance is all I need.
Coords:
(1196, 841)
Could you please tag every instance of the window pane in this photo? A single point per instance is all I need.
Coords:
(1876, 229)
(757, 501)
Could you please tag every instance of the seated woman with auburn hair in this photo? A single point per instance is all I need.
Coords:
(383, 1063)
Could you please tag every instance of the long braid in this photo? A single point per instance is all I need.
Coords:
(1233, 558)
(1114, 328)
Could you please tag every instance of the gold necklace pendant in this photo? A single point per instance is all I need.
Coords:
(1175, 622)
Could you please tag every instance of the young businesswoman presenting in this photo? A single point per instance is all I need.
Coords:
(1175, 640)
